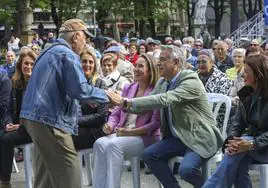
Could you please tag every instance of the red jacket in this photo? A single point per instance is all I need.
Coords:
(133, 59)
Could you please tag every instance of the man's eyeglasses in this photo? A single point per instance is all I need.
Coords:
(254, 45)
(202, 61)
(198, 45)
(163, 59)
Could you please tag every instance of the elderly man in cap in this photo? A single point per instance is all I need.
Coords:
(188, 126)
(50, 107)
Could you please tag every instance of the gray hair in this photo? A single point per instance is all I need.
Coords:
(228, 41)
(191, 39)
(176, 53)
(66, 36)
(240, 51)
(208, 53)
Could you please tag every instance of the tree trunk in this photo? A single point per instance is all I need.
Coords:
(101, 14)
(115, 29)
(190, 12)
(7, 33)
(217, 24)
(152, 27)
(234, 15)
(136, 25)
(55, 16)
(18, 18)
(142, 28)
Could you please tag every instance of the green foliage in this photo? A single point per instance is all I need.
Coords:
(7, 10)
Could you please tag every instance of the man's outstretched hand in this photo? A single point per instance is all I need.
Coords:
(115, 98)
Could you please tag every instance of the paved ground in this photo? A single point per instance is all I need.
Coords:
(147, 181)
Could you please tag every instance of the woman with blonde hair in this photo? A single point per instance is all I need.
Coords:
(14, 133)
(92, 117)
(127, 134)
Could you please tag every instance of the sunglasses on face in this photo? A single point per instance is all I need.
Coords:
(202, 61)
(254, 45)
(198, 45)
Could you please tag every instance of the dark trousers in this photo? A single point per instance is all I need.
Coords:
(86, 137)
(8, 140)
(156, 158)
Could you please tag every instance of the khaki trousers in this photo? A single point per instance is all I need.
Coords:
(57, 164)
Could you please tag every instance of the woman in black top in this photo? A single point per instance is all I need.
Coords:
(247, 139)
(92, 118)
(14, 133)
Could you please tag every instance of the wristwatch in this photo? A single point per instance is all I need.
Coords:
(127, 103)
(252, 145)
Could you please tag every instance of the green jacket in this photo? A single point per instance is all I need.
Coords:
(191, 113)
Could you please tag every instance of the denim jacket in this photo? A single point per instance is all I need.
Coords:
(55, 84)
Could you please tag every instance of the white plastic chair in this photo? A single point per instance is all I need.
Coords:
(263, 169)
(87, 154)
(15, 165)
(135, 168)
(28, 167)
(216, 100)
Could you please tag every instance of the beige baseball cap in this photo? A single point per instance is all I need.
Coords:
(73, 25)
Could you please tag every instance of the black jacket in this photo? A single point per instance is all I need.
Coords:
(5, 96)
(242, 122)
(93, 117)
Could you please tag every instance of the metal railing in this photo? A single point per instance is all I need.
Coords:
(253, 28)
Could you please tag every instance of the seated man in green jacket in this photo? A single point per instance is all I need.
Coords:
(188, 127)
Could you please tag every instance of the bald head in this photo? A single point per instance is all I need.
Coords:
(10, 57)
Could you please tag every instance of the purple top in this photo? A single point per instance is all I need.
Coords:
(149, 119)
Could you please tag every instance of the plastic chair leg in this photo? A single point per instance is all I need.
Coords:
(206, 170)
(15, 165)
(89, 168)
(28, 165)
(80, 157)
(263, 176)
(135, 166)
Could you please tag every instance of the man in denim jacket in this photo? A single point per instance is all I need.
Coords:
(50, 108)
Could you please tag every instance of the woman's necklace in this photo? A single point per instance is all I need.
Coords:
(140, 93)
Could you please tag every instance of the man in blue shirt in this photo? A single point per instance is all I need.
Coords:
(50, 108)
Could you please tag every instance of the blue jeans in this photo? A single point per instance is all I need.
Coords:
(156, 158)
(233, 170)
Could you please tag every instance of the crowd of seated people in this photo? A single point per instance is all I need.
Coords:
(142, 102)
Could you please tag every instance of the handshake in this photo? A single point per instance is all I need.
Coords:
(115, 98)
